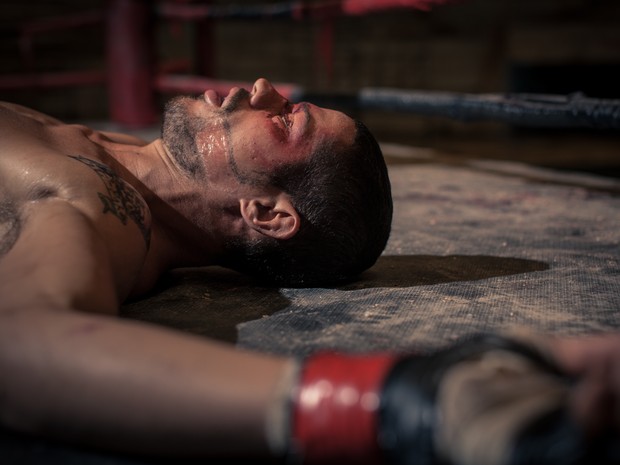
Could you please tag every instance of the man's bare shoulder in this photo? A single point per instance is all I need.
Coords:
(7, 109)
(12, 116)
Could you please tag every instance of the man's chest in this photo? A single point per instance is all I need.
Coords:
(33, 182)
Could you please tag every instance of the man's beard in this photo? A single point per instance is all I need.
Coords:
(179, 132)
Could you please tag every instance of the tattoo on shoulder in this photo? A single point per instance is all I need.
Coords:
(10, 226)
(121, 199)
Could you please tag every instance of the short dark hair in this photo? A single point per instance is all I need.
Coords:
(345, 204)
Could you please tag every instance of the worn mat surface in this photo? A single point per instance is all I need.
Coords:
(477, 247)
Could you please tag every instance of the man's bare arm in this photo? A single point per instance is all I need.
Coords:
(114, 383)
(132, 387)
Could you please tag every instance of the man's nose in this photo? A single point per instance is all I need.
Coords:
(265, 97)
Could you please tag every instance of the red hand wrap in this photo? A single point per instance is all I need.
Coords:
(336, 405)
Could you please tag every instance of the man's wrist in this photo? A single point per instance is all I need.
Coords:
(336, 404)
(278, 421)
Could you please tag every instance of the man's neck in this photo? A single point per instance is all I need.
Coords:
(172, 199)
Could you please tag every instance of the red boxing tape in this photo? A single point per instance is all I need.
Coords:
(336, 406)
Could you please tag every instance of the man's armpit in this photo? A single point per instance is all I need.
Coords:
(10, 226)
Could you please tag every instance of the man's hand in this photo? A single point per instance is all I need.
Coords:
(595, 363)
(486, 401)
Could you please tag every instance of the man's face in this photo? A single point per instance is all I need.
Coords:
(245, 136)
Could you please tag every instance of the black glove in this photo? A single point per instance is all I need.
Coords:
(506, 405)
(485, 401)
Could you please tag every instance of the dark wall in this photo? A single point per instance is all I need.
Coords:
(472, 46)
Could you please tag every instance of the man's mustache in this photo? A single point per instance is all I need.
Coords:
(235, 100)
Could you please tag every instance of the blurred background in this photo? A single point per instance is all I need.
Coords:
(56, 60)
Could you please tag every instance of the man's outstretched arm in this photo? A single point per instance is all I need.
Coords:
(132, 387)
(88, 378)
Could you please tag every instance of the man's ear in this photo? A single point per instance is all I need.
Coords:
(271, 216)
